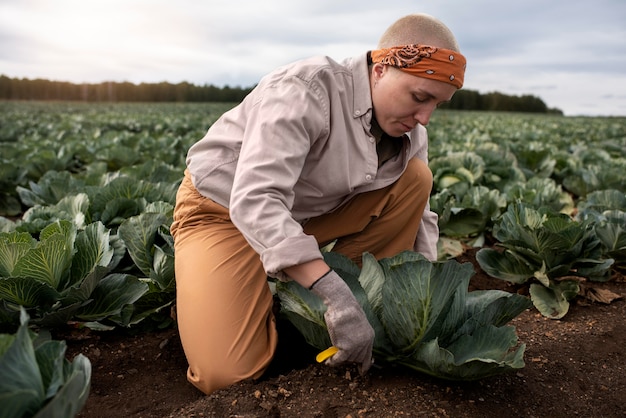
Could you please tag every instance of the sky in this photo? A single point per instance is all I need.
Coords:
(569, 53)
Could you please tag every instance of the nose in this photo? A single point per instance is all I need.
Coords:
(423, 113)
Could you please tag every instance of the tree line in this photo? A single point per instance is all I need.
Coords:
(109, 91)
(495, 101)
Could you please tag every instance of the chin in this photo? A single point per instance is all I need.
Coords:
(400, 132)
(395, 132)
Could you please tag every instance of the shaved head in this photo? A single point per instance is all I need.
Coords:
(418, 29)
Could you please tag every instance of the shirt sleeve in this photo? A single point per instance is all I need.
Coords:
(428, 233)
(281, 126)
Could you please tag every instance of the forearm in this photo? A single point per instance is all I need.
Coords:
(306, 274)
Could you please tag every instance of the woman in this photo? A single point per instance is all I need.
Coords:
(319, 151)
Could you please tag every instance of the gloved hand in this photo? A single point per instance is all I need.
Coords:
(347, 325)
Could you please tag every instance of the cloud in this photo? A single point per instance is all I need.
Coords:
(571, 54)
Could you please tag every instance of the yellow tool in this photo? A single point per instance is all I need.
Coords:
(326, 354)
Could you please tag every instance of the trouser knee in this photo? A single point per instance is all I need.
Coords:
(417, 178)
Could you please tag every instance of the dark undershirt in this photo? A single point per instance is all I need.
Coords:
(387, 146)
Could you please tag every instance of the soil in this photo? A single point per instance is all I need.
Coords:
(574, 367)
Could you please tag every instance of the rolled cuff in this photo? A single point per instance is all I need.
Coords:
(290, 252)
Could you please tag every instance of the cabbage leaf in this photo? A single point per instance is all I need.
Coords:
(35, 377)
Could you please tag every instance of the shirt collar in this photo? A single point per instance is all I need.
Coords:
(362, 95)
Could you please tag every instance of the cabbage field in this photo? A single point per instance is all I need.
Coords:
(87, 193)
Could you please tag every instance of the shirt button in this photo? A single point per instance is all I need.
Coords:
(358, 112)
(372, 140)
(368, 177)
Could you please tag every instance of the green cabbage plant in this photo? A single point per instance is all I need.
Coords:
(108, 197)
(457, 172)
(534, 158)
(11, 174)
(423, 316)
(556, 250)
(36, 380)
(151, 247)
(501, 166)
(470, 216)
(65, 275)
(607, 208)
(538, 192)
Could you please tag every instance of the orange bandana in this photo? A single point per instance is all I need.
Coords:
(424, 61)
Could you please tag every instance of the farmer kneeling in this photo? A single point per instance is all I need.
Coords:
(319, 151)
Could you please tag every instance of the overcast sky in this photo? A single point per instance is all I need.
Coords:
(570, 53)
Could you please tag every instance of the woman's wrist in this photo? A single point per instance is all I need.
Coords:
(307, 273)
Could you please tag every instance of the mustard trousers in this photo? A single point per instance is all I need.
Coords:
(223, 301)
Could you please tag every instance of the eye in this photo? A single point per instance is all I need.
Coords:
(418, 99)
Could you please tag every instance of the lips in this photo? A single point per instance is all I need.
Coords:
(406, 128)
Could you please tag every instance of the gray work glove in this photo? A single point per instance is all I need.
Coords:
(349, 329)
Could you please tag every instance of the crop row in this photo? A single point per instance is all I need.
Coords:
(100, 180)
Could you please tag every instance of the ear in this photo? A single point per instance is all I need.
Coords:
(378, 71)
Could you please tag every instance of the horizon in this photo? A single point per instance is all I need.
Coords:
(241, 88)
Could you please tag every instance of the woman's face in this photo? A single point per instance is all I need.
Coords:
(402, 100)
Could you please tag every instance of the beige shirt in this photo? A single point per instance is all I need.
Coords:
(298, 146)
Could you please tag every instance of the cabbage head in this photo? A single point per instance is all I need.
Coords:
(423, 315)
